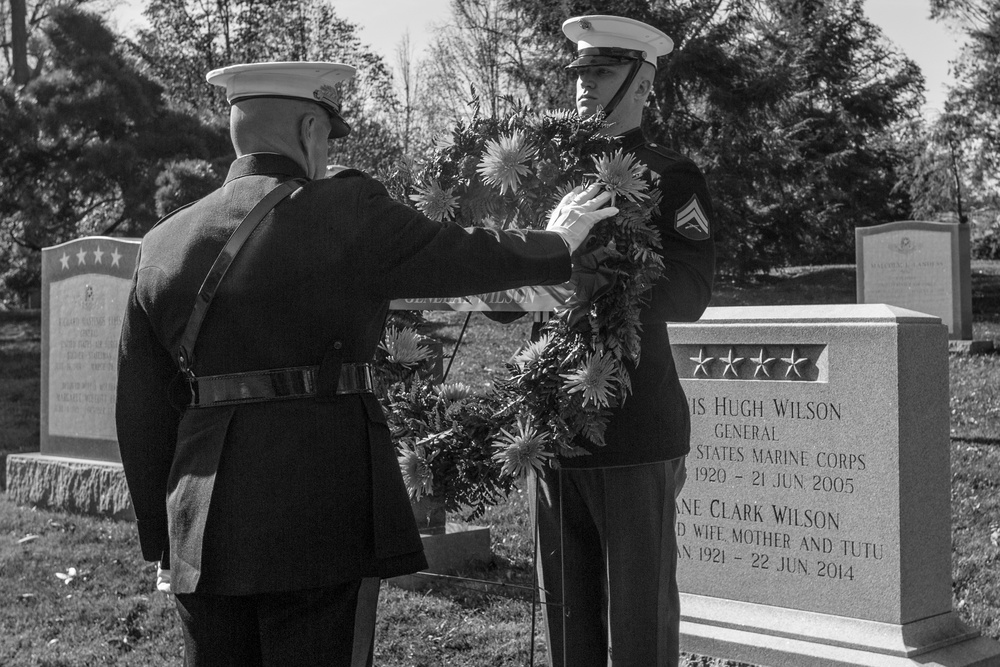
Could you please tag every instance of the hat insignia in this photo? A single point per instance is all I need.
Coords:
(327, 93)
(585, 25)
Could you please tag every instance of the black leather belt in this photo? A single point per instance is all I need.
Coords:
(274, 385)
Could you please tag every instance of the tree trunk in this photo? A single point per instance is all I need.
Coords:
(19, 41)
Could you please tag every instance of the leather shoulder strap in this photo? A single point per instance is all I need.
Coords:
(185, 351)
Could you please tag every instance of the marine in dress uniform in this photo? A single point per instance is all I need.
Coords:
(606, 521)
(259, 462)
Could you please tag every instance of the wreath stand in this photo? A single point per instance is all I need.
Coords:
(449, 546)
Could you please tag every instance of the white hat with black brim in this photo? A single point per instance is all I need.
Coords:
(317, 82)
(615, 40)
(603, 40)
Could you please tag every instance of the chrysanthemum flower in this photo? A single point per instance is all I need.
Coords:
(418, 477)
(435, 202)
(403, 347)
(522, 450)
(532, 352)
(595, 378)
(503, 163)
(454, 391)
(621, 175)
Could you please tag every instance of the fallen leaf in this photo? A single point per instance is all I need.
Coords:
(28, 538)
(68, 575)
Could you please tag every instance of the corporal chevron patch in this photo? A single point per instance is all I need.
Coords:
(691, 220)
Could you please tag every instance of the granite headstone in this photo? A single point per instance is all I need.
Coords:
(814, 528)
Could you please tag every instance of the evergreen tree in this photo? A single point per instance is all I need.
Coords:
(83, 144)
(845, 96)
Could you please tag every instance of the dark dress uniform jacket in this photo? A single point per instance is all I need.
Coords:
(301, 493)
(654, 423)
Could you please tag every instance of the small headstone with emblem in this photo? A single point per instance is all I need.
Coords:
(921, 266)
(85, 284)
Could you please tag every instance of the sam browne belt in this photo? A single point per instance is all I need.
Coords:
(267, 385)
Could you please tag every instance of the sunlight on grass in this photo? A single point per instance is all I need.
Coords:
(107, 613)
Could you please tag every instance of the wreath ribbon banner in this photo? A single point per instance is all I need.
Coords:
(520, 300)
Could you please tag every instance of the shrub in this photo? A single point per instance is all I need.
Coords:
(987, 244)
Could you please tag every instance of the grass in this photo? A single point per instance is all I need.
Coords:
(108, 615)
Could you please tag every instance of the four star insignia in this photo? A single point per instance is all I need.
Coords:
(763, 362)
(81, 257)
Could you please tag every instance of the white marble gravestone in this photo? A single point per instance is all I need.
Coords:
(85, 284)
(921, 266)
(815, 525)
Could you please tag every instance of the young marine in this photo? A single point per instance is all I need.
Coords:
(606, 521)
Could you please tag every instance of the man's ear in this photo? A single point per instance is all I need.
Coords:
(645, 81)
(307, 126)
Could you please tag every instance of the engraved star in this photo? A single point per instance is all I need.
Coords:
(762, 363)
(64, 260)
(731, 363)
(98, 254)
(115, 256)
(793, 363)
(81, 257)
(702, 362)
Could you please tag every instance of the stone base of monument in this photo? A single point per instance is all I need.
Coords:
(781, 637)
(971, 346)
(450, 550)
(81, 486)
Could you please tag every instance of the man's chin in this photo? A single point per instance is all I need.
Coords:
(588, 108)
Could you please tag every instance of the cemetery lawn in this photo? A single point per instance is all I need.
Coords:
(104, 612)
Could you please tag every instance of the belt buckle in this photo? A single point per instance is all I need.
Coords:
(355, 379)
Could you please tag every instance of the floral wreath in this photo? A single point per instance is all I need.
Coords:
(510, 173)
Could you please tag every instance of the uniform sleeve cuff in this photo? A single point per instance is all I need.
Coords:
(153, 537)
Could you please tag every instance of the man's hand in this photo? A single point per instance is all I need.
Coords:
(162, 579)
(578, 211)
